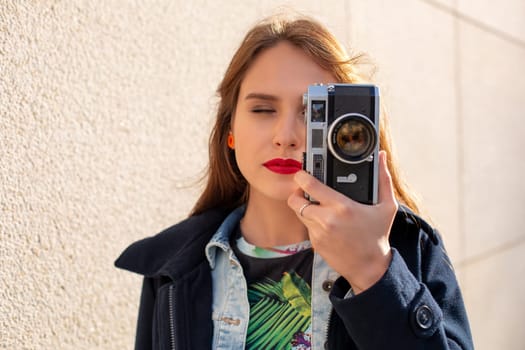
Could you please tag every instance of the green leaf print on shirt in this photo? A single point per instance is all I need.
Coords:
(279, 312)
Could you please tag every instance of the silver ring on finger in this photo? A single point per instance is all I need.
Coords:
(303, 208)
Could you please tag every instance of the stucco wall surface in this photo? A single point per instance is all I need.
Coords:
(105, 110)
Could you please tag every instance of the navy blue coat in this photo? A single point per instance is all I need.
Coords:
(417, 304)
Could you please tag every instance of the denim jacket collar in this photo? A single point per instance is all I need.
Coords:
(221, 238)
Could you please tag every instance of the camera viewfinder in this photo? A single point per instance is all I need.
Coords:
(318, 114)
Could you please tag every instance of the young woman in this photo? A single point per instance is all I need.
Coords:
(257, 266)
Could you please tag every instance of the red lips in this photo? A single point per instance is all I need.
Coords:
(283, 166)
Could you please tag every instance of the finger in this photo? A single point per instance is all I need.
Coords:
(386, 188)
(318, 190)
(298, 203)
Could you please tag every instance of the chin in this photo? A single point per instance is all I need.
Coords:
(272, 191)
(281, 192)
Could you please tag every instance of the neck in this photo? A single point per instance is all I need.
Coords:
(270, 223)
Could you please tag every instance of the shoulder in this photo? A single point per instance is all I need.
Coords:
(411, 234)
(417, 242)
(406, 222)
(177, 248)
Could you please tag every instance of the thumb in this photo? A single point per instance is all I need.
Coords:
(386, 188)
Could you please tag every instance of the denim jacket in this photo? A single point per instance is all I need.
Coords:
(194, 292)
(230, 308)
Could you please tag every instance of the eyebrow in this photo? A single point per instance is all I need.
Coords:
(261, 96)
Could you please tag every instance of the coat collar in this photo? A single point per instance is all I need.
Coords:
(180, 248)
(175, 250)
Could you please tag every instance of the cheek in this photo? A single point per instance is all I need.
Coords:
(248, 134)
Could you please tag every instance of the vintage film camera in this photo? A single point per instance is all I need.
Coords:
(342, 138)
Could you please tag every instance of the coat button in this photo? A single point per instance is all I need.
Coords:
(424, 317)
(327, 285)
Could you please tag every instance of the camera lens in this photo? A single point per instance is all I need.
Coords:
(352, 137)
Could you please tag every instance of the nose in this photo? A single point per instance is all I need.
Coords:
(289, 130)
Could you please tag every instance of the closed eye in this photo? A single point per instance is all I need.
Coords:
(263, 110)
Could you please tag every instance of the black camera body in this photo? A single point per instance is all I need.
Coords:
(342, 138)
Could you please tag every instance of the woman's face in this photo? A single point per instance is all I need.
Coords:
(268, 125)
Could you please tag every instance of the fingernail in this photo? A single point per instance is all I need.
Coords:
(384, 157)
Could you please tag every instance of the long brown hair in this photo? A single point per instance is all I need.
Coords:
(225, 186)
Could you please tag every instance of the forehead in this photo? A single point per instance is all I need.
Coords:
(281, 70)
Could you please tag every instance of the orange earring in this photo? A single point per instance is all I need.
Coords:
(231, 142)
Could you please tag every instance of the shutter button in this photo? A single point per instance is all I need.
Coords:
(327, 285)
(424, 317)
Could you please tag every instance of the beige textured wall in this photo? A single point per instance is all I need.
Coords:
(105, 109)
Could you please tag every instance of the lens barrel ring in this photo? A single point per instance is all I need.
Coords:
(357, 134)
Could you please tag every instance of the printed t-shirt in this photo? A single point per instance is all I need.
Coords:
(279, 294)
